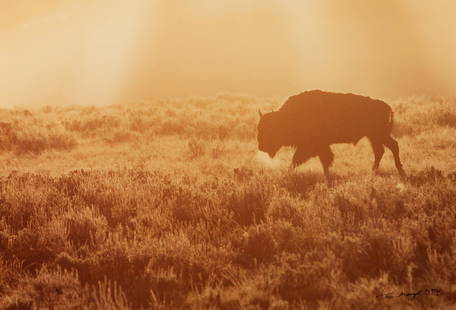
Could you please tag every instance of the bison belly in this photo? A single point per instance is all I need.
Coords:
(338, 127)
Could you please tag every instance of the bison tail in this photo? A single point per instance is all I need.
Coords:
(391, 122)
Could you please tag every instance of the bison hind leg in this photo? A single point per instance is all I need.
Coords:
(326, 158)
(392, 144)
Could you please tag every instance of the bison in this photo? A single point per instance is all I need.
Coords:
(313, 120)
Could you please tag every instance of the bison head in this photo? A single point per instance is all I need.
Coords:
(269, 137)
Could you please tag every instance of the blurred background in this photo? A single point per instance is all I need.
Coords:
(55, 52)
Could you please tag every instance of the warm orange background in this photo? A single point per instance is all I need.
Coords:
(100, 51)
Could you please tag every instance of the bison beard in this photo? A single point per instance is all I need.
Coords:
(313, 120)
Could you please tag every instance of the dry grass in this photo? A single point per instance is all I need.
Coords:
(165, 205)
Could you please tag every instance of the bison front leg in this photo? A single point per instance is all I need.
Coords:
(326, 158)
(300, 156)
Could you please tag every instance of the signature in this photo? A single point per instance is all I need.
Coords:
(423, 292)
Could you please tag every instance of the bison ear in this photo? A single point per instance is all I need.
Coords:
(261, 114)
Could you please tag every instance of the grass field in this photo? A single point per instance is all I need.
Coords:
(168, 205)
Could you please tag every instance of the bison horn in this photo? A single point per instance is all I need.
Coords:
(261, 114)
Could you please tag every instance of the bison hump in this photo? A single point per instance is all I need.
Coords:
(317, 100)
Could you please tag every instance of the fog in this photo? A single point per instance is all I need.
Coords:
(103, 52)
(264, 159)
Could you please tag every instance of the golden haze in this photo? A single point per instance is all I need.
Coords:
(110, 200)
(98, 52)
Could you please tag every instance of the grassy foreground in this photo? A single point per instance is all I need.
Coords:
(167, 205)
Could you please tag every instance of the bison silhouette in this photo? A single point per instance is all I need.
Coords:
(313, 120)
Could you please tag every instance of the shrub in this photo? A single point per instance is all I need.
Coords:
(33, 140)
(249, 204)
(91, 125)
(120, 137)
(195, 149)
(85, 227)
(446, 119)
(50, 289)
(257, 246)
(171, 127)
(371, 256)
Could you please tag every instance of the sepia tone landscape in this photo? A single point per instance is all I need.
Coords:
(136, 141)
(169, 205)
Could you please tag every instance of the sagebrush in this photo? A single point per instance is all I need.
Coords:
(166, 205)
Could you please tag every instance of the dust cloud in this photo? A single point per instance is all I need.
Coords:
(102, 52)
(68, 52)
(267, 161)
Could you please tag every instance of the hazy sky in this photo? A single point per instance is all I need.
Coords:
(105, 51)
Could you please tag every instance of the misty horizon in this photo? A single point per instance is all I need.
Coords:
(93, 53)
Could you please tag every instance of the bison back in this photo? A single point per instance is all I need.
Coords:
(334, 118)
